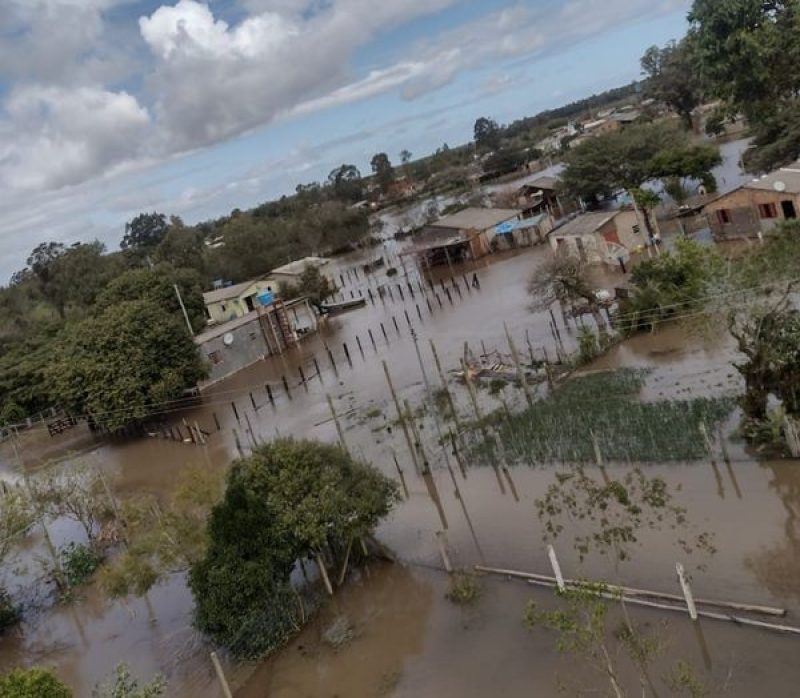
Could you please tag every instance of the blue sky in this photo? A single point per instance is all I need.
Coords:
(111, 107)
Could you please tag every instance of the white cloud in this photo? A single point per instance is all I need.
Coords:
(188, 30)
(212, 81)
(56, 136)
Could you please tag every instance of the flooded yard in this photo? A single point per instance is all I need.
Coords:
(408, 639)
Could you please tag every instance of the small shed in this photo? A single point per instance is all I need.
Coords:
(467, 234)
(599, 237)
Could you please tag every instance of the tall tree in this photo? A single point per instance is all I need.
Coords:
(674, 77)
(289, 500)
(157, 284)
(182, 246)
(124, 364)
(384, 172)
(145, 231)
(630, 158)
(749, 52)
(486, 134)
(346, 183)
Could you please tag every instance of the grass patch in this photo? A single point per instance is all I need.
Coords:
(560, 427)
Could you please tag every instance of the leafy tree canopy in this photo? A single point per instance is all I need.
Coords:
(145, 231)
(288, 500)
(671, 285)
(124, 363)
(749, 51)
(383, 170)
(673, 77)
(346, 183)
(628, 159)
(487, 134)
(157, 285)
(32, 683)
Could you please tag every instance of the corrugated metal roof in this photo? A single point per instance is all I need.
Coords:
(477, 218)
(298, 266)
(585, 224)
(222, 294)
(788, 176)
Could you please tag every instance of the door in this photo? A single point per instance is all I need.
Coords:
(581, 249)
(789, 211)
(249, 303)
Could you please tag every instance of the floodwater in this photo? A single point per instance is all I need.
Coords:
(409, 640)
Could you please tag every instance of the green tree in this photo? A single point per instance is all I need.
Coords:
(628, 159)
(582, 626)
(157, 285)
(145, 231)
(287, 501)
(124, 364)
(346, 183)
(486, 134)
(183, 247)
(749, 50)
(671, 285)
(32, 683)
(503, 161)
(768, 337)
(674, 77)
(383, 170)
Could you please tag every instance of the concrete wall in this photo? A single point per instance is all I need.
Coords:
(623, 227)
(248, 346)
(591, 246)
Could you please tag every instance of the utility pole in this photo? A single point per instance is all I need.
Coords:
(183, 309)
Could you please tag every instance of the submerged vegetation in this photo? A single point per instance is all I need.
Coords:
(463, 589)
(599, 414)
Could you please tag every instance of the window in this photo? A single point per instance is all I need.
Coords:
(724, 216)
(215, 358)
(767, 211)
(222, 306)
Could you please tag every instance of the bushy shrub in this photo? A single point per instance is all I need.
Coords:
(32, 683)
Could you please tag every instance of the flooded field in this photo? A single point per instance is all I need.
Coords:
(408, 639)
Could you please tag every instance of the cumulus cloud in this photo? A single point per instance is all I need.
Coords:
(55, 136)
(212, 81)
(203, 80)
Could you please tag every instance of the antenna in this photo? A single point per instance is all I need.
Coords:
(779, 186)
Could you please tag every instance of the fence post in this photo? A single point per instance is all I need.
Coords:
(551, 553)
(687, 591)
(226, 689)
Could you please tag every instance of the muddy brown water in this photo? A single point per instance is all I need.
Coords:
(410, 640)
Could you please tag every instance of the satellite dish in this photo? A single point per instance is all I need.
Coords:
(779, 186)
(227, 340)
